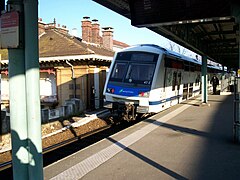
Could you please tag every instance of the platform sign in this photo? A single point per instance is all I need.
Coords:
(10, 30)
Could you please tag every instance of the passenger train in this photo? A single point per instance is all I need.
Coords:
(147, 78)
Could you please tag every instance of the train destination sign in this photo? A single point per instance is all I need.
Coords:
(10, 30)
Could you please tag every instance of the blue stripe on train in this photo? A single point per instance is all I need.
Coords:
(198, 90)
(123, 91)
(164, 100)
(126, 91)
(168, 99)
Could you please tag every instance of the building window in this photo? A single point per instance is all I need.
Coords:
(78, 86)
(70, 86)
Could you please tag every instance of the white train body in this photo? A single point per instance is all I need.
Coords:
(147, 79)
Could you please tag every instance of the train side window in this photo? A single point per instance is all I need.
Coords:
(173, 63)
(197, 81)
(197, 67)
(186, 66)
(179, 81)
(192, 67)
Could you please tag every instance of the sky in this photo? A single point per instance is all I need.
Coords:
(71, 12)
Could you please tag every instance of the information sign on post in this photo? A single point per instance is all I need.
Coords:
(10, 30)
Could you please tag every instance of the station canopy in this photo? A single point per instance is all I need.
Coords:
(207, 27)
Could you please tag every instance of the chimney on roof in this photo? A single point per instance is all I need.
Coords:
(107, 37)
(41, 27)
(63, 29)
(95, 32)
(54, 22)
(86, 29)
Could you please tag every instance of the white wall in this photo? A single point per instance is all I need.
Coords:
(48, 87)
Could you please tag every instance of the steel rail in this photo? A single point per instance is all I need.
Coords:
(8, 164)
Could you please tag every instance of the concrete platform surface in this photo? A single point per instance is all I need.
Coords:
(188, 141)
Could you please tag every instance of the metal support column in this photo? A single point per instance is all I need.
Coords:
(204, 79)
(18, 121)
(18, 116)
(24, 94)
(236, 122)
(33, 89)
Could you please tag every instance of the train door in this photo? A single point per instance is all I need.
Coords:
(179, 82)
(169, 83)
(190, 94)
(176, 83)
(185, 91)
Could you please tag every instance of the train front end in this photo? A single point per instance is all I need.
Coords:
(129, 82)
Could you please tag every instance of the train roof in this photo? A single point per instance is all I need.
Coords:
(170, 53)
(174, 54)
(220, 68)
(182, 57)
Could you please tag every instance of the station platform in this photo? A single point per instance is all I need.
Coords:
(187, 141)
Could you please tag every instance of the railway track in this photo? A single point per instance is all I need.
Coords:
(8, 164)
(69, 146)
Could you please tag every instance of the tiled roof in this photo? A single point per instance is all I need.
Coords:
(121, 44)
(54, 43)
(97, 49)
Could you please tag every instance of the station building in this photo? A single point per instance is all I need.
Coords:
(70, 66)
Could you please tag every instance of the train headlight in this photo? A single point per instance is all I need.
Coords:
(143, 94)
(110, 90)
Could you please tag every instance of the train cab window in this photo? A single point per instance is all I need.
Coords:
(140, 73)
(134, 67)
(118, 71)
(137, 56)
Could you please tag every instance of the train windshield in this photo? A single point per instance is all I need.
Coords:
(134, 67)
(140, 73)
(119, 71)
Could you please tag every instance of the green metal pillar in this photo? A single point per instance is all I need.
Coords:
(33, 89)
(236, 123)
(204, 79)
(25, 94)
(238, 21)
(17, 93)
(18, 121)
